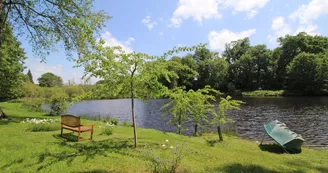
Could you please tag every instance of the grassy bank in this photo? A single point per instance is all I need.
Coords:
(25, 151)
(261, 93)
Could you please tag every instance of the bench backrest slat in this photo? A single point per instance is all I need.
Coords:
(70, 120)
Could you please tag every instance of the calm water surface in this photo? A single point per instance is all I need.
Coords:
(307, 116)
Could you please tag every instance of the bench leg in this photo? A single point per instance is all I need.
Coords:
(61, 132)
(78, 136)
(91, 134)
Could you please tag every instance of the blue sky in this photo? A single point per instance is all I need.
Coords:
(154, 26)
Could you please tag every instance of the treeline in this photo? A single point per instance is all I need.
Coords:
(299, 65)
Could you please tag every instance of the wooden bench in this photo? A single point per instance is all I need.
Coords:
(72, 123)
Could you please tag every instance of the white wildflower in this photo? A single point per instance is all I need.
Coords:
(163, 145)
(171, 147)
(166, 140)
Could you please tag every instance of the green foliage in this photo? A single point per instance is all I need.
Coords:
(264, 93)
(113, 121)
(33, 104)
(73, 91)
(126, 124)
(48, 23)
(179, 107)
(43, 127)
(307, 73)
(136, 74)
(58, 103)
(166, 160)
(189, 105)
(50, 80)
(225, 104)
(11, 60)
(30, 76)
(107, 131)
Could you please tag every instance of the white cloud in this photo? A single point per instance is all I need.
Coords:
(195, 9)
(148, 23)
(161, 34)
(218, 39)
(278, 22)
(249, 6)
(309, 29)
(110, 40)
(280, 28)
(311, 11)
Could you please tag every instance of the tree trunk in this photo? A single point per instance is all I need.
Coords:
(179, 123)
(2, 18)
(3, 115)
(133, 116)
(220, 133)
(196, 130)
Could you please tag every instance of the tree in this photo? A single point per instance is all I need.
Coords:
(235, 49)
(135, 73)
(225, 104)
(29, 74)
(179, 107)
(46, 23)
(291, 46)
(218, 73)
(305, 73)
(202, 106)
(50, 80)
(11, 59)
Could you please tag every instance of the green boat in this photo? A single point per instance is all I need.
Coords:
(286, 138)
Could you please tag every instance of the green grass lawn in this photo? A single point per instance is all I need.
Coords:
(24, 151)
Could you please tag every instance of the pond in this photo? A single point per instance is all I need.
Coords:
(307, 116)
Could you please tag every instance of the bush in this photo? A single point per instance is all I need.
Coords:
(43, 127)
(126, 124)
(58, 104)
(107, 131)
(113, 121)
(167, 161)
(33, 104)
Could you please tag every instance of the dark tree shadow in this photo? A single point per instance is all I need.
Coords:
(239, 168)
(97, 171)
(88, 150)
(304, 164)
(19, 161)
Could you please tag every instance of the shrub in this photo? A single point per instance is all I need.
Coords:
(58, 104)
(33, 104)
(126, 124)
(43, 127)
(168, 159)
(107, 131)
(113, 121)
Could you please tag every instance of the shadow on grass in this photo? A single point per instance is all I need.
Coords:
(19, 161)
(272, 148)
(10, 120)
(88, 150)
(300, 164)
(275, 148)
(97, 171)
(239, 168)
